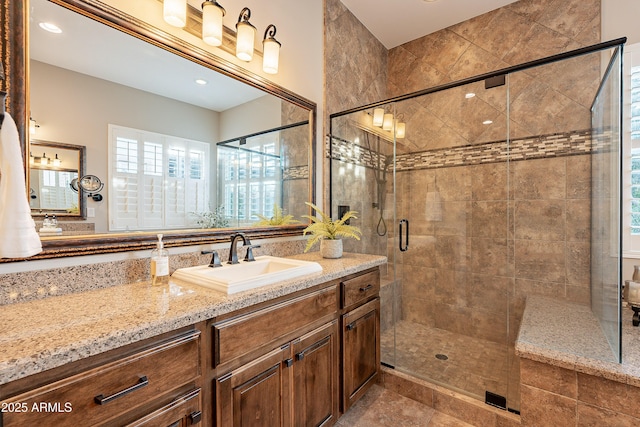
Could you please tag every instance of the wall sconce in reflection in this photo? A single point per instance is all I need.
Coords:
(401, 127)
(92, 185)
(271, 51)
(245, 37)
(57, 162)
(174, 12)
(33, 126)
(44, 160)
(212, 14)
(387, 122)
(378, 116)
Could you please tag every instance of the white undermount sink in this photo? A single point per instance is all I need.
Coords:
(265, 270)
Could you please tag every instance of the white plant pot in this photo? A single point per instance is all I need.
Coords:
(331, 248)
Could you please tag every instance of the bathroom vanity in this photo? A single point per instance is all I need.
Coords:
(296, 353)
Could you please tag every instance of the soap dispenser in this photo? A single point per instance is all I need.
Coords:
(159, 264)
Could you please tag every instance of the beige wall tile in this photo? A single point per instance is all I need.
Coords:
(549, 378)
(540, 219)
(592, 416)
(613, 395)
(467, 412)
(541, 408)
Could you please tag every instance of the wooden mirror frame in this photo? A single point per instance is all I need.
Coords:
(15, 59)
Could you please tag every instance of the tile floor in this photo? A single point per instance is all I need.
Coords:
(472, 366)
(380, 407)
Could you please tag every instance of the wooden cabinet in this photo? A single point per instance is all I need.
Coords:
(360, 351)
(295, 383)
(360, 323)
(315, 372)
(116, 392)
(295, 361)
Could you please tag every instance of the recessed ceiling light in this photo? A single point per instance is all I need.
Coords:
(48, 26)
(487, 122)
(470, 95)
(201, 81)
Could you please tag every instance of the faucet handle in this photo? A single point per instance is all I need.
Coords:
(215, 258)
(249, 256)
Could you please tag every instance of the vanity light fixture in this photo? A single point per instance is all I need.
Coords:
(212, 14)
(401, 127)
(271, 51)
(378, 116)
(245, 37)
(175, 12)
(44, 160)
(57, 162)
(387, 122)
(33, 126)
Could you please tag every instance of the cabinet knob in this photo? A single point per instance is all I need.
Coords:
(366, 288)
(350, 326)
(195, 417)
(288, 362)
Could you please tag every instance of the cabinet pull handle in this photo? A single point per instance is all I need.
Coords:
(195, 417)
(299, 356)
(288, 363)
(101, 400)
(351, 325)
(366, 288)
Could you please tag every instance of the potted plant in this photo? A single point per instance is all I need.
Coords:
(329, 232)
(278, 218)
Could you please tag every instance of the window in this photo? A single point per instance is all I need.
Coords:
(249, 175)
(631, 147)
(155, 181)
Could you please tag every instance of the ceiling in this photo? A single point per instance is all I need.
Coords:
(408, 20)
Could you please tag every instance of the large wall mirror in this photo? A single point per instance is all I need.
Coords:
(176, 133)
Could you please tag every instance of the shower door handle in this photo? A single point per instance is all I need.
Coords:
(406, 236)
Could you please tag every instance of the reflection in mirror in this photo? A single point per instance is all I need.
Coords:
(54, 170)
(151, 127)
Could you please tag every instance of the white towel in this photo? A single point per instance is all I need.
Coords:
(18, 236)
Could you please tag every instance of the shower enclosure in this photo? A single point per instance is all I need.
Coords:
(481, 192)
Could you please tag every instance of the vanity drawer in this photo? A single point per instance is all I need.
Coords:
(97, 396)
(360, 288)
(238, 336)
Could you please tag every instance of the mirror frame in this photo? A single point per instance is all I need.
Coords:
(82, 160)
(15, 59)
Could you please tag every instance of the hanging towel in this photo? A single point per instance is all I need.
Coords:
(18, 236)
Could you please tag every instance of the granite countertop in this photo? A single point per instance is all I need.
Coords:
(569, 336)
(51, 332)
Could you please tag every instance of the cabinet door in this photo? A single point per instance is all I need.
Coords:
(315, 367)
(360, 351)
(258, 393)
(182, 412)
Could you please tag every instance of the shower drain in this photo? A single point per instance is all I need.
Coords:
(441, 356)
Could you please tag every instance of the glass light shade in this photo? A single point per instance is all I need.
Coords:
(44, 160)
(400, 130)
(378, 115)
(246, 34)
(212, 14)
(57, 161)
(271, 49)
(32, 127)
(387, 122)
(175, 12)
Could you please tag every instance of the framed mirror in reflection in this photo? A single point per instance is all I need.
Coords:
(54, 170)
(154, 120)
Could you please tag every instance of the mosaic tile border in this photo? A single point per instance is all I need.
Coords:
(295, 172)
(543, 146)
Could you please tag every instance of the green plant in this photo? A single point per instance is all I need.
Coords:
(326, 228)
(212, 219)
(278, 218)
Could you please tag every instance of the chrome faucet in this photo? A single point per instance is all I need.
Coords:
(233, 252)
